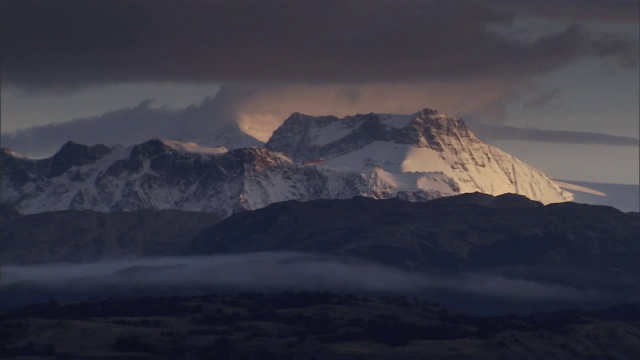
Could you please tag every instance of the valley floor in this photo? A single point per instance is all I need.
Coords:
(308, 325)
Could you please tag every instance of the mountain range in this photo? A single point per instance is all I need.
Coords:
(417, 157)
(391, 213)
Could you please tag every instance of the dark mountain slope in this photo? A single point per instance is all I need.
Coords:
(466, 232)
(82, 236)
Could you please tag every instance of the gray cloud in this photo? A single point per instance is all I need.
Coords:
(210, 122)
(69, 43)
(542, 99)
(489, 132)
(260, 109)
(124, 126)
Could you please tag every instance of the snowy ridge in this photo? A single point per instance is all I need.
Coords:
(413, 157)
(162, 174)
(13, 153)
(407, 147)
(192, 147)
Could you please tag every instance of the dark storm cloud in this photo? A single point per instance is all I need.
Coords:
(67, 43)
(620, 11)
(490, 133)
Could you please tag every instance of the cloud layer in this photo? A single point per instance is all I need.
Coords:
(260, 109)
(210, 122)
(490, 132)
(286, 271)
(69, 43)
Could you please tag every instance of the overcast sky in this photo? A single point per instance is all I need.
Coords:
(518, 68)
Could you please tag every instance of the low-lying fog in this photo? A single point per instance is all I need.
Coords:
(277, 271)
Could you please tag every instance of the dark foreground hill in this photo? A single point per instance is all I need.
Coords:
(465, 232)
(309, 325)
(84, 236)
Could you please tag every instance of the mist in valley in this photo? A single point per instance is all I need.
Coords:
(481, 292)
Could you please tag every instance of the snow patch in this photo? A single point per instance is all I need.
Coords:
(383, 154)
(424, 159)
(192, 147)
(13, 153)
(330, 132)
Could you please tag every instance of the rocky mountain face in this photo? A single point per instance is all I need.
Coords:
(419, 157)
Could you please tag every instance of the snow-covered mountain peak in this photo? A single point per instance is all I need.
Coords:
(305, 138)
(414, 157)
(162, 174)
(438, 122)
(426, 142)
